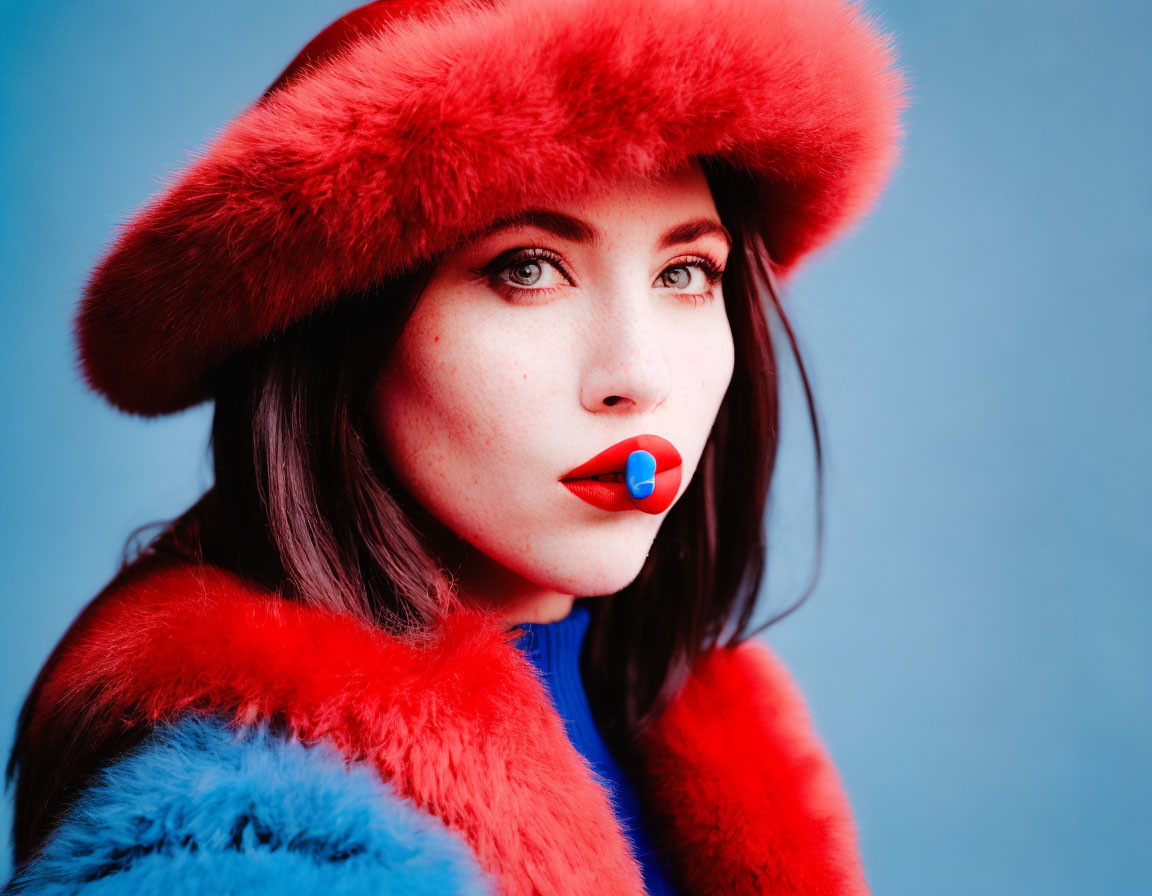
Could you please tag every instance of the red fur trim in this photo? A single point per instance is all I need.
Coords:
(462, 726)
(741, 783)
(429, 127)
(461, 723)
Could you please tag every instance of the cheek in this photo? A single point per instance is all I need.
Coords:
(708, 358)
(430, 389)
(449, 410)
(709, 353)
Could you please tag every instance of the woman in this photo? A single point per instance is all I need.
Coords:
(481, 292)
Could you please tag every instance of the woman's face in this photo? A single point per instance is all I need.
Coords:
(532, 349)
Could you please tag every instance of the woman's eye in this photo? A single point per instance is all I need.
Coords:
(527, 272)
(680, 277)
(535, 273)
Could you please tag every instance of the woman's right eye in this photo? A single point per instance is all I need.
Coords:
(526, 273)
(523, 273)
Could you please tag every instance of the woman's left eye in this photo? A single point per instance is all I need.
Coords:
(683, 278)
(679, 276)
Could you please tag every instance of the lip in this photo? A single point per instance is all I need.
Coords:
(614, 496)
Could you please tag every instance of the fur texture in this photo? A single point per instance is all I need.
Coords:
(200, 809)
(440, 120)
(743, 793)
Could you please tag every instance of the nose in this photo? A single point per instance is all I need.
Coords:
(627, 365)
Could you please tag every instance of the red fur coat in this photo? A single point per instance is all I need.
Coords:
(739, 787)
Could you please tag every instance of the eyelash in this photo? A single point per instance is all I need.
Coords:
(712, 271)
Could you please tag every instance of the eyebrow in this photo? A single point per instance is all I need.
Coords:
(577, 231)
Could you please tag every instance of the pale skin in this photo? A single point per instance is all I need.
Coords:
(506, 378)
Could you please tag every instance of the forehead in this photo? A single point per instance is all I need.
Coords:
(677, 208)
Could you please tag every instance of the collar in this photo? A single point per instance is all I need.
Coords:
(742, 794)
(554, 648)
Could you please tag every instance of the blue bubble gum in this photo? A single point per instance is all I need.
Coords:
(640, 474)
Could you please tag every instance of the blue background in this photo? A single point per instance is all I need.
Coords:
(976, 652)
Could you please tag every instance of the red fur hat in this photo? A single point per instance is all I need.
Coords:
(408, 124)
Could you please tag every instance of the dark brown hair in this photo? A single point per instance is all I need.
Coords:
(304, 506)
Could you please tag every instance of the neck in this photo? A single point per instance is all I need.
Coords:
(548, 606)
(488, 584)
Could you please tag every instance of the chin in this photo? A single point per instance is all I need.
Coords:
(579, 575)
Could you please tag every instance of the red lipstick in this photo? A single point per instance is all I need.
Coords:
(609, 492)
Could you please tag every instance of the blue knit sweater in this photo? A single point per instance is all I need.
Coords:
(554, 648)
